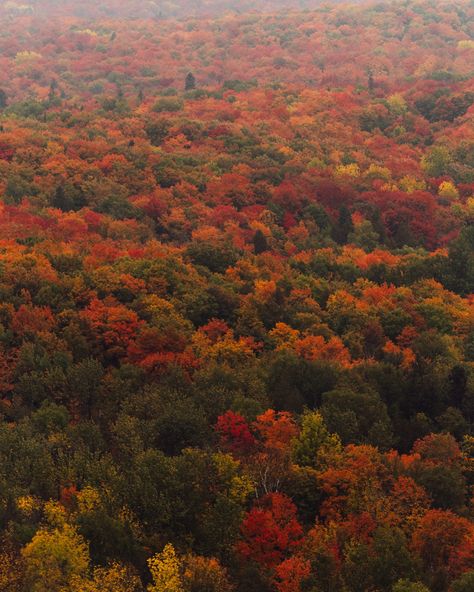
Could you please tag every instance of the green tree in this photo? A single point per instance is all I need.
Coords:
(358, 417)
(314, 441)
(437, 162)
(344, 226)
(260, 244)
(190, 82)
(464, 584)
(3, 99)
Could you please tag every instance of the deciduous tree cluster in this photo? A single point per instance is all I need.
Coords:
(237, 313)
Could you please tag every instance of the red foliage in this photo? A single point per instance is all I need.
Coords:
(235, 434)
(291, 573)
(444, 541)
(270, 531)
(112, 325)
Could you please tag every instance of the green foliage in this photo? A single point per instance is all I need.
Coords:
(168, 104)
(357, 416)
(215, 258)
(314, 442)
(464, 583)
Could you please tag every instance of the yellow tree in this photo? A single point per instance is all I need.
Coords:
(55, 556)
(165, 568)
(115, 578)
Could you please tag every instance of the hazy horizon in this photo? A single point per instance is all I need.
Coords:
(88, 9)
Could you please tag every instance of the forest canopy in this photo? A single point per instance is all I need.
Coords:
(237, 296)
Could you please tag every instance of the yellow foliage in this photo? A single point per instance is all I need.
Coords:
(231, 351)
(389, 187)
(207, 233)
(301, 120)
(376, 171)
(257, 225)
(397, 104)
(265, 290)
(283, 335)
(286, 150)
(88, 32)
(26, 56)
(410, 184)
(448, 190)
(466, 44)
(54, 558)
(316, 163)
(88, 500)
(470, 206)
(114, 578)
(55, 514)
(165, 569)
(27, 504)
(156, 306)
(348, 170)
(241, 486)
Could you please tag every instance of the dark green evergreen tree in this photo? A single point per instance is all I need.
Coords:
(190, 82)
(260, 243)
(344, 226)
(3, 99)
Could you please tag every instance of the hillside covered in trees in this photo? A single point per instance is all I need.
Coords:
(237, 296)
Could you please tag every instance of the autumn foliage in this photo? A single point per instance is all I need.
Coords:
(236, 296)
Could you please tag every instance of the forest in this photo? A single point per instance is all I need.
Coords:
(237, 296)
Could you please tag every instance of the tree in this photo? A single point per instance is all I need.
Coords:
(114, 578)
(444, 542)
(357, 416)
(370, 80)
(291, 573)
(390, 558)
(314, 441)
(165, 569)
(190, 82)
(157, 131)
(461, 259)
(260, 244)
(364, 236)
(344, 226)
(271, 463)
(464, 584)
(270, 531)
(437, 162)
(55, 557)
(52, 89)
(445, 485)
(3, 99)
(235, 434)
(202, 574)
(448, 191)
